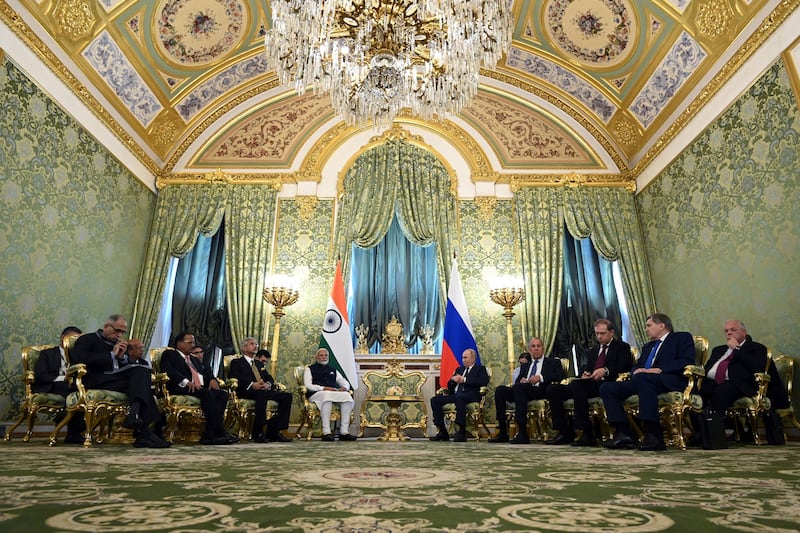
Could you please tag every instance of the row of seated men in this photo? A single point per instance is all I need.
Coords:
(729, 375)
(115, 364)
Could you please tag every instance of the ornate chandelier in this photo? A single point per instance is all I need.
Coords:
(375, 57)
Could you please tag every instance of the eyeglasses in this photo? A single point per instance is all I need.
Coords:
(198, 352)
(118, 330)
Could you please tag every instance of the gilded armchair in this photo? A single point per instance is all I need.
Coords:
(34, 403)
(242, 411)
(309, 412)
(476, 411)
(180, 410)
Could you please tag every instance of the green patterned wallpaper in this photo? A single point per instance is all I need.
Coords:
(73, 235)
(722, 224)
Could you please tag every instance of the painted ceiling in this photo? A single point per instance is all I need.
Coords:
(588, 86)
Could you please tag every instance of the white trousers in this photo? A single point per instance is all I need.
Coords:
(325, 399)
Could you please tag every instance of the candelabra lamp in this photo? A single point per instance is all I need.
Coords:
(508, 297)
(278, 298)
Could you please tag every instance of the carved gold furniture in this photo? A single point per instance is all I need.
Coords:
(402, 393)
(476, 411)
(309, 412)
(392, 340)
(99, 408)
(785, 367)
(34, 403)
(180, 410)
(241, 412)
(539, 419)
(674, 406)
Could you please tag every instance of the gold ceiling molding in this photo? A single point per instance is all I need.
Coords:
(599, 135)
(197, 130)
(218, 176)
(75, 18)
(12, 19)
(764, 31)
(714, 18)
(573, 179)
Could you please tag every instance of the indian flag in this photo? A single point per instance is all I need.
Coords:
(336, 336)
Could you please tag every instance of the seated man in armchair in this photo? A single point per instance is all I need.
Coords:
(325, 386)
(464, 387)
(114, 364)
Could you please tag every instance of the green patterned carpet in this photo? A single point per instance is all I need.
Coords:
(369, 486)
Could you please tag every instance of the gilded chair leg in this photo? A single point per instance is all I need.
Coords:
(22, 417)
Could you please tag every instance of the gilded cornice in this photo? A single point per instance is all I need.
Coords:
(765, 29)
(12, 19)
(218, 176)
(573, 179)
(600, 135)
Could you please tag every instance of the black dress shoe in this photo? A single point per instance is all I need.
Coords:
(620, 441)
(585, 440)
(148, 440)
(560, 439)
(520, 438)
(501, 437)
(261, 439)
(231, 438)
(460, 436)
(442, 435)
(652, 444)
(347, 437)
(328, 438)
(133, 421)
(277, 437)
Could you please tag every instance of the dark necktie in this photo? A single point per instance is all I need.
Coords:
(601, 359)
(461, 385)
(652, 357)
(534, 366)
(722, 369)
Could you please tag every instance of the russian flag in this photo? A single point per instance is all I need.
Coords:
(458, 334)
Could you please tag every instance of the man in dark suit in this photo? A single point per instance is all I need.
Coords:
(504, 394)
(532, 384)
(607, 360)
(189, 375)
(111, 364)
(464, 387)
(50, 377)
(659, 369)
(256, 383)
(730, 375)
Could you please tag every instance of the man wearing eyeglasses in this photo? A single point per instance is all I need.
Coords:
(189, 375)
(109, 366)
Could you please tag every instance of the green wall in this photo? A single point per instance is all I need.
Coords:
(722, 224)
(73, 231)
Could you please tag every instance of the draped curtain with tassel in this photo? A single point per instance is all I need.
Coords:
(184, 211)
(608, 216)
(402, 180)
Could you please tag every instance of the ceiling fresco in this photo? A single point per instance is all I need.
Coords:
(590, 86)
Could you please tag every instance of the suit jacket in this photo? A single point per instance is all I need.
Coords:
(478, 377)
(240, 369)
(94, 350)
(177, 370)
(675, 353)
(47, 369)
(552, 371)
(749, 358)
(618, 359)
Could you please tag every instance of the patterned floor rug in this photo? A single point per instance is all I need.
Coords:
(416, 486)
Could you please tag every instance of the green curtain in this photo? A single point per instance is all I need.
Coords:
(249, 221)
(398, 178)
(608, 216)
(540, 223)
(182, 211)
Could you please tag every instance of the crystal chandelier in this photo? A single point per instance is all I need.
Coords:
(375, 57)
